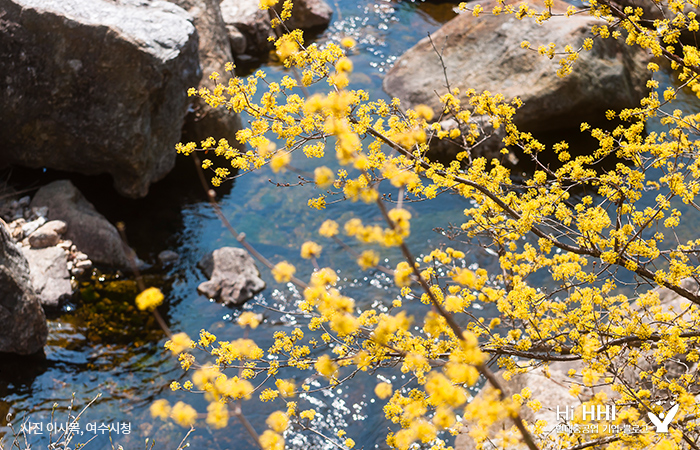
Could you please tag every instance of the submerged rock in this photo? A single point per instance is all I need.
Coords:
(233, 277)
(95, 86)
(23, 327)
(89, 230)
(485, 53)
(168, 257)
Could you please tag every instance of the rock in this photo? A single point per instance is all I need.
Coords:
(87, 228)
(30, 227)
(16, 230)
(36, 213)
(485, 54)
(236, 40)
(65, 245)
(43, 238)
(24, 201)
(23, 327)
(168, 257)
(48, 234)
(552, 392)
(84, 264)
(214, 53)
(307, 14)
(234, 278)
(245, 17)
(117, 107)
(48, 269)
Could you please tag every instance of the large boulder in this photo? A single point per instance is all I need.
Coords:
(95, 86)
(233, 277)
(23, 327)
(48, 270)
(214, 53)
(485, 53)
(89, 230)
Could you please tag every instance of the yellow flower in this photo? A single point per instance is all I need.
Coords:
(266, 4)
(285, 387)
(344, 65)
(424, 111)
(277, 421)
(383, 390)
(249, 318)
(323, 176)
(326, 367)
(402, 274)
(279, 161)
(310, 250)
(161, 409)
(349, 443)
(149, 299)
(464, 277)
(183, 414)
(348, 42)
(217, 415)
(368, 258)
(329, 228)
(308, 414)
(179, 343)
(270, 440)
(283, 272)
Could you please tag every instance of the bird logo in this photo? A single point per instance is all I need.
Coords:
(662, 421)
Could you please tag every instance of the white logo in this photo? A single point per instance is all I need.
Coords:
(661, 423)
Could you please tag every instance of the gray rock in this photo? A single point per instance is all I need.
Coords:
(48, 234)
(16, 230)
(307, 14)
(87, 228)
(43, 238)
(485, 54)
(49, 275)
(236, 40)
(234, 278)
(168, 257)
(36, 213)
(23, 327)
(245, 16)
(106, 93)
(214, 53)
(84, 264)
(30, 227)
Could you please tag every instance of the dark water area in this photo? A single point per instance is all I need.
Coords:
(103, 345)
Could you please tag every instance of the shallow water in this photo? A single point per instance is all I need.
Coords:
(104, 346)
